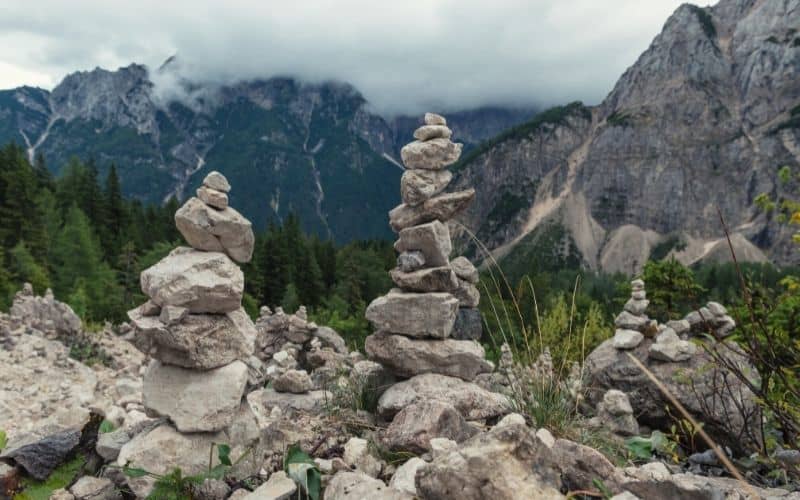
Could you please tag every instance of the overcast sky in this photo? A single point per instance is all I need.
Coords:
(404, 56)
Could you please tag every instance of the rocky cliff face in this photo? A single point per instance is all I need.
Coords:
(703, 120)
(316, 150)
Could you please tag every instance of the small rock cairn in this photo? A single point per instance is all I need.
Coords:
(194, 326)
(671, 344)
(428, 324)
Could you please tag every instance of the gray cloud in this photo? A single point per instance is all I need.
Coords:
(403, 56)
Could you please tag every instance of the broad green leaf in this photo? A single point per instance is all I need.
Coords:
(3, 440)
(302, 469)
(641, 447)
(224, 453)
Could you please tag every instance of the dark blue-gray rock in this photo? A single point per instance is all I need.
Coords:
(410, 261)
(41, 458)
(430, 279)
(707, 457)
(468, 325)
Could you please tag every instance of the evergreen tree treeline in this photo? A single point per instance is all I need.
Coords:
(75, 235)
(78, 235)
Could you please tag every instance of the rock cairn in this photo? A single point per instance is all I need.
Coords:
(633, 326)
(428, 327)
(194, 327)
(705, 387)
(632, 323)
(416, 322)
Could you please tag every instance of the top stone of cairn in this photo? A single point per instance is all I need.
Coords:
(433, 149)
(216, 180)
(207, 222)
(434, 119)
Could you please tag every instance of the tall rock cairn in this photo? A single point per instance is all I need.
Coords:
(430, 323)
(194, 326)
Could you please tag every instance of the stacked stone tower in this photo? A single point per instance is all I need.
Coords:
(428, 324)
(194, 326)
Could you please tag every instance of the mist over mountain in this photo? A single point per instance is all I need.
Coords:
(316, 150)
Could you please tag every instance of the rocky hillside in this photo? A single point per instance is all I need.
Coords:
(316, 150)
(703, 120)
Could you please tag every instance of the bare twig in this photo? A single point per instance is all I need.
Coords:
(710, 442)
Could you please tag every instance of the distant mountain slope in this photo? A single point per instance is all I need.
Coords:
(315, 150)
(704, 119)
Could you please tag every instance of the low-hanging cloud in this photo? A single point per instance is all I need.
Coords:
(403, 56)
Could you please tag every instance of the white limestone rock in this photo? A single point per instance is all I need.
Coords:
(627, 339)
(212, 197)
(414, 314)
(195, 401)
(214, 230)
(407, 357)
(433, 154)
(432, 239)
(202, 282)
(417, 186)
(216, 180)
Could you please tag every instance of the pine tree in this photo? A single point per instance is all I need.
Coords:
(308, 277)
(24, 268)
(325, 253)
(114, 221)
(77, 259)
(274, 267)
(20, 218)
(127, 265)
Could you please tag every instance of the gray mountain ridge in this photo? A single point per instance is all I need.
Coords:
(702, 121)
(313, 149)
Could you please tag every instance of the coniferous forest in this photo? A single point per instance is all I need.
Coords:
(77, 235)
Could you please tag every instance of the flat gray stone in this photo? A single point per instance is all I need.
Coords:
(434, 119)
(417, 186)
(428, 132)
(195, 401)
(430, 279)
(471, 400)
(279, 486)
(216, 180)
(432, 239)
(212, 197)
(202, 282)
(434, 154)
(414, 314)
(442, 208)
(627, 339)
(200, 341)
(408, 357)
(465, 270)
